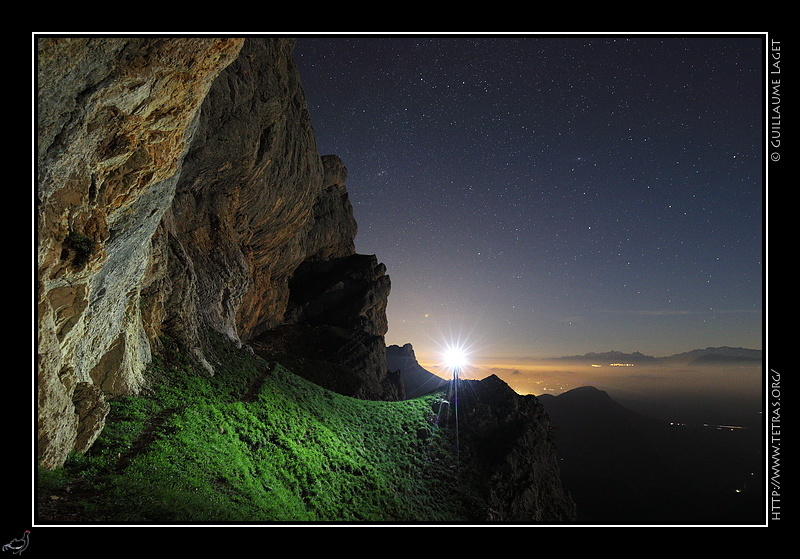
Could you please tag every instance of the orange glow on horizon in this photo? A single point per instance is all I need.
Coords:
(540, 376)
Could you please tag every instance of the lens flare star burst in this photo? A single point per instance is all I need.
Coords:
(455, 358)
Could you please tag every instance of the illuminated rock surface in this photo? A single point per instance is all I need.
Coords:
(156, 216)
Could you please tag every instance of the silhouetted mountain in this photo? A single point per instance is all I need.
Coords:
(711, 355)
(708, 355)
(622, 467)
(417, 380)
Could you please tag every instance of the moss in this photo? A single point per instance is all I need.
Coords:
(255, 442)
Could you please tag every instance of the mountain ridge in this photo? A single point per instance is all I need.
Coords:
(708, 354)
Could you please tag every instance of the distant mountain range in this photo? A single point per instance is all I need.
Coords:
(419, 381)
(719, 354)
(709, 355)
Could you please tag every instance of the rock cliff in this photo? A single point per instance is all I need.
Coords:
(114, 119)
(508, 437)
(180, 192)
(179, 188)
(416, 380)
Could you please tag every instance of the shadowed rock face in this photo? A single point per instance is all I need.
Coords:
(179, 188)
(349, 292)
(339, 304)
(508, 436)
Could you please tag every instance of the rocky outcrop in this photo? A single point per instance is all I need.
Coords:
(253, 201)
(416, 380)
(508, 438)
(179, 189)
(338, 307)
(505, 437)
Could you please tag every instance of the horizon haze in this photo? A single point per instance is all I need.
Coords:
(676, 390)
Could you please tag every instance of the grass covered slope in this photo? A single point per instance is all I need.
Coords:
(255, 442)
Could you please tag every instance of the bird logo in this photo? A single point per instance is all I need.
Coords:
(18, 545)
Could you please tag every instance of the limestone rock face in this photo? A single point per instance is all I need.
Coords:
(243, 217)
(91, 409)
(179, 188)
(114, 116)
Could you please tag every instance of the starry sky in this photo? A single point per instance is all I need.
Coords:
(552, 195)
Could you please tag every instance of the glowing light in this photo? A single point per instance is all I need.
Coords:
(455, 358)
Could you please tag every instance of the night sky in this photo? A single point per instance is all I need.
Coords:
(546, 196)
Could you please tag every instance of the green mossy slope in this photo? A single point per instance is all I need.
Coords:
(256, 443)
